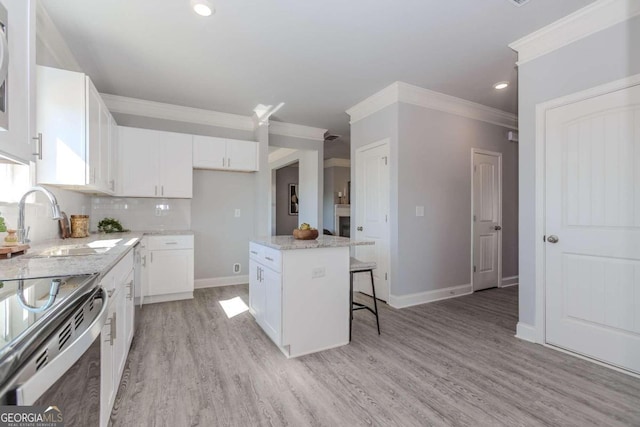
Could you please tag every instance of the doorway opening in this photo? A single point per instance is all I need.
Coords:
(287, 198)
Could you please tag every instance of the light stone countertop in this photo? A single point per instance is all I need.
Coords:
(287, 243)
(31, 266)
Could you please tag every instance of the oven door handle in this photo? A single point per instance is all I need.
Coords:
(29, 391)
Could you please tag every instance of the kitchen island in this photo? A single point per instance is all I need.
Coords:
(299, 291)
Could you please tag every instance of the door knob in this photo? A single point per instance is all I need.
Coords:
(553, 239)
(497, 228)
(359, 228)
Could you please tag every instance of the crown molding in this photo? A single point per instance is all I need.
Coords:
(159, 110)
(336, 162)
(374, 103)
(414, 95)
(586, 21)
(296, 131)
(51, 38)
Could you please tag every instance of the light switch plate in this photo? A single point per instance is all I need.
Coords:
(237, 213)
(419, 210)
(318, 272)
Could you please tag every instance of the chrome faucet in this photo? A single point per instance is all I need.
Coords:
(55, 210)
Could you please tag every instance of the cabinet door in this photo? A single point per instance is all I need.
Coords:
(16, 141)
(104, 172)
(120, 345)
(93, 115)
(272, 283)
(107, 367)
(129, 309)
(242, 155)
(113, 155)
(170, 272)
(209, 152)
(138, 154)
(176, 165)
(256, 290)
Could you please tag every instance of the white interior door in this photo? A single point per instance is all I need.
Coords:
(487, 219)
(372, 215)
(592, 227)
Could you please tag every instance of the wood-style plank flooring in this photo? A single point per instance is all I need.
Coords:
(453, 362)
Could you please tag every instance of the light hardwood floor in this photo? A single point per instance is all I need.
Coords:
(453, 362)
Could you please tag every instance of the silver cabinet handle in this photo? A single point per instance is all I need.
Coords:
(268, 258)
(144, 261)
(112, 329)
(170, 243)
(497, 228)
(229, 162)
(223, 165)
(151, 256)
(112, 185)
(553, 239)
(254, 252)
(130, 286)
(155, 191)
(162, 190)
(359, 228)
(38, 152)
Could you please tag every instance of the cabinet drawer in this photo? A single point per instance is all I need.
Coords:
(272, 258)
(156, 243)
(255, 251)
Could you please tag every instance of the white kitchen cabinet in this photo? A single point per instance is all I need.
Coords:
(17, 141)
(265, 294)
(75, 125)
(299, 295)
(116, 333)
(168, 268)
(224, 154)
(155, 163)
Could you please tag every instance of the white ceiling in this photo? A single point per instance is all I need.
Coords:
(320, 57)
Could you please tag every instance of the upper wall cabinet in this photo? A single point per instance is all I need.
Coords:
(155, 163)
(16, 138)
(225, 154)
(77, 133)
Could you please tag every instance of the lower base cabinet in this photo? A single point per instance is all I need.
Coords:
(167, 268)
(117, 332)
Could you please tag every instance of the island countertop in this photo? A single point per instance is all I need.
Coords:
(287, 243)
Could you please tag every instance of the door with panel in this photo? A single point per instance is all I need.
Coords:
(272, 283)
(209, 152)
(242, 155)
(487, 219)
(372, 215)
(92, 133)
(592, 228)
(170, 272)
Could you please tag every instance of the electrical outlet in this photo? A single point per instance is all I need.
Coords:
(237, 213)
(318, 272)
(236, 267)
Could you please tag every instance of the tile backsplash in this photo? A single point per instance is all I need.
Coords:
(142, 214)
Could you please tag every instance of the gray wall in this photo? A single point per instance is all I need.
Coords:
(609, 55)
(335, 180)
(285, 223)
(430, 166)
(435, 172)
(221, 239)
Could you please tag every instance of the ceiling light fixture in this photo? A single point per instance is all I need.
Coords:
(202, 7)
(501, 85)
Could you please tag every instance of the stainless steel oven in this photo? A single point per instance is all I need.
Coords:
(51, 345)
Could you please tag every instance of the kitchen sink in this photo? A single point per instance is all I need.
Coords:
(72, 250)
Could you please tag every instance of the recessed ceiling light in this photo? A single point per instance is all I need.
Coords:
(202, 7)
(501, 85)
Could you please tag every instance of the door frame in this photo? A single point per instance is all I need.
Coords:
(475, 151)
(538, 334)
(358, 151)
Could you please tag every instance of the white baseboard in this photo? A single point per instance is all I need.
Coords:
(402, 301)
(509, 281)
(215, 282)
(152, 299)
(526, 332)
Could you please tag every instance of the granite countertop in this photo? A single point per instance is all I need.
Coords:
(31, 266)
(287, 243)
